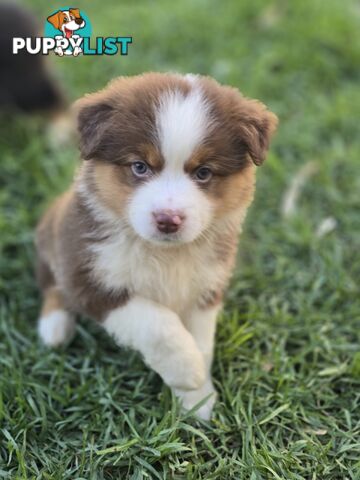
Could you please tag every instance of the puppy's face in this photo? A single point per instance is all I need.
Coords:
(171, 154)
(67, 21)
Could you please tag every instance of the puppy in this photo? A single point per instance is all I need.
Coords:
(145, 239)
(68, 22)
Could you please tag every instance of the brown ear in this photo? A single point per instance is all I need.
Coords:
(55, 19)
(75, 12)
(93, 123)
(256, 126)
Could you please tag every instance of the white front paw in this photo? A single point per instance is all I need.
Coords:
(56, 328)
(184, 370)
(190, 398)
(59, 51)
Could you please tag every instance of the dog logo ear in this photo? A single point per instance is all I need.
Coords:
(75, 12)
(55, 19)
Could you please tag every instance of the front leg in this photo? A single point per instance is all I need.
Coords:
(202, 325)
(159, 335)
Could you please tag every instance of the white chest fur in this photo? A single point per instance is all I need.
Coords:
(173, 276)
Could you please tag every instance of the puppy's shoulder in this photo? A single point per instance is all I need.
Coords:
(52, 218)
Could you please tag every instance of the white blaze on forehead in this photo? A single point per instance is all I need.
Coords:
(182, 122)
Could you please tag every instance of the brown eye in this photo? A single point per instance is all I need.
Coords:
(140, 169)
(65, 20)
(203, 174)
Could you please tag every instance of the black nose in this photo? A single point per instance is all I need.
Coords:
(168, 222)
(79, 20)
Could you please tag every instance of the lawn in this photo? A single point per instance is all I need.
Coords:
(287, 362)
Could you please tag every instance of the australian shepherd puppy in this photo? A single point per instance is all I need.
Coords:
(145, 239)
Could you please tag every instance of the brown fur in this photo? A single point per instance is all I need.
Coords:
(53, 300)
(243, 127)
(62, 241)
(125, 106)
(113, 184)
(234, 190)
(242, 123)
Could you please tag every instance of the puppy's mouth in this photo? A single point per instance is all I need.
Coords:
(167, 238)
(68, 32)
(175, 239)
(164, 239)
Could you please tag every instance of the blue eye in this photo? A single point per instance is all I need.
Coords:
(203, 174)
(140, 169)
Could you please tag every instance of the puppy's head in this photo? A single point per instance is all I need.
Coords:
(67, 21)
(171, 154)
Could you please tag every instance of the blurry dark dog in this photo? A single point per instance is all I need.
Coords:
(25, 82)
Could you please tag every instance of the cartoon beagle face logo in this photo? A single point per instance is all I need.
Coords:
(67, 21)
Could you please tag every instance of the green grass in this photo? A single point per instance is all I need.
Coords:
(287, 363)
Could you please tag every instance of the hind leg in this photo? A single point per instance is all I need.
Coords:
(56, 326)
